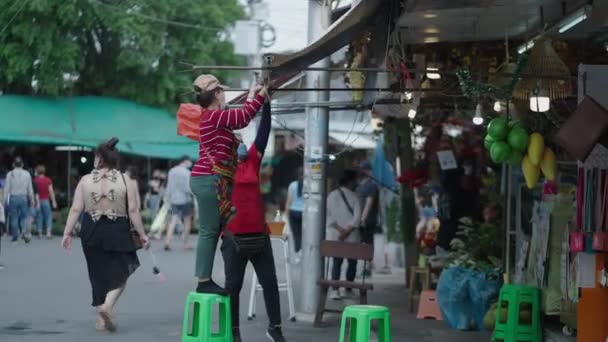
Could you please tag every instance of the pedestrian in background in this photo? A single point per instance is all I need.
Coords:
(369, 199)
(295, 207)
(19, 194)
(181, 201)
(155, 193)
(212, 176)
(2, 227)
(46, 202)
(343, 222)
(106, 200)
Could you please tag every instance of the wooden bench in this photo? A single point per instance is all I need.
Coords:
(344, 250)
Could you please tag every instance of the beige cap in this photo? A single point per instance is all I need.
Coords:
(208, 82)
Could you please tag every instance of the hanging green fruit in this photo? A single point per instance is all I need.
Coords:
(518, 138)
(498, 129)
(515, 158)
(488, 141)
(500, 152)
(515, 123)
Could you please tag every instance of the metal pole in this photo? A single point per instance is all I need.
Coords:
(378, 70)
(69, 178)
(395, 90)
(317, 127)
(149, 169)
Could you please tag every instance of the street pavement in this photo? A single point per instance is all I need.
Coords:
(45, 296)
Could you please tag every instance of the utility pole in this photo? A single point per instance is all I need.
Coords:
(315, 152)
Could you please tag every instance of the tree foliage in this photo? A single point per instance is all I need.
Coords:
(124, 48)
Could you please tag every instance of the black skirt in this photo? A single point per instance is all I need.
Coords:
(110, 253)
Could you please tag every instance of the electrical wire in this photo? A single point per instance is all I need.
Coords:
(158, 20)
(23, 3)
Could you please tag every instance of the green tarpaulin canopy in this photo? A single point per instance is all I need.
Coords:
(87, 121)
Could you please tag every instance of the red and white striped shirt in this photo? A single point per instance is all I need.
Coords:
(216, 139)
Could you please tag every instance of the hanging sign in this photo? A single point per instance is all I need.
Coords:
(447, 160)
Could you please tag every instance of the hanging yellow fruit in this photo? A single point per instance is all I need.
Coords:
(536, 148)
(531, 172)
(548, 165)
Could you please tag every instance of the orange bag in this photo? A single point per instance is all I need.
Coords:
(188, 120)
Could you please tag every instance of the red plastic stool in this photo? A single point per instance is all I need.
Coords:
(428, 306)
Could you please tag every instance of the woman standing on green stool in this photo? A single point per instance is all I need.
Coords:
(212, 175)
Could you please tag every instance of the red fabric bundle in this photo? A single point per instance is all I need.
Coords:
(188, 120)
(414, 177)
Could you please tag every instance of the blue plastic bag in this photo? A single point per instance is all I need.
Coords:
(483, 291)
(465, 296)
(454, 298)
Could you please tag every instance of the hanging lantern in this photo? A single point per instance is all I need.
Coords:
(546, 65)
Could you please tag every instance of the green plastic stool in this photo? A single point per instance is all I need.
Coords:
(202, 319)
(512, 330)
(361, 317)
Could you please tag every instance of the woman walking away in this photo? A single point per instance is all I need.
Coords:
(295, 207)
(107, 200)
(212, 175)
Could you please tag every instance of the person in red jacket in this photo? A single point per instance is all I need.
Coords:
(212, 176)
(248, 240)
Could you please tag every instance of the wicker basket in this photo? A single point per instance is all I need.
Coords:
(549, 73)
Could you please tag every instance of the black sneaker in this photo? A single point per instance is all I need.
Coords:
(275, 334)
(236, 335)
(211, 287)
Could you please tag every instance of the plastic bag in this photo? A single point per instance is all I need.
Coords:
(188, 119)
(465, 296)
(454, 298)
(483, 291)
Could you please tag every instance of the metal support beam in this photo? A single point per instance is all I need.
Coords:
(317, 127)
(427, 90)
(369, 70)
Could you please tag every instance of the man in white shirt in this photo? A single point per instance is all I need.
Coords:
(343, 221)
(19, 193)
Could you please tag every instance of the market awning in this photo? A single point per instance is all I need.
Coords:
(342, 32)
(87, 121)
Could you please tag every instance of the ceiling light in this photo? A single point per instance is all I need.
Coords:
(432, 73)
(83, 160)
(431, 30)
(478, 118)
(430, 15)
(497, 106)
(576, 18)
(525, 47)
(430, 40)
(332, 157)
(412, 113)
(540, 102)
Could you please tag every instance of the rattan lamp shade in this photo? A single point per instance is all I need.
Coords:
(545, 69)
